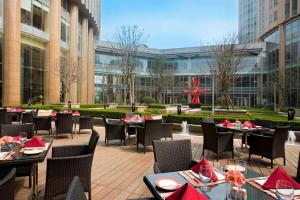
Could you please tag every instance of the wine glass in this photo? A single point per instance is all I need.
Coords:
(205, 174)
(284, 190)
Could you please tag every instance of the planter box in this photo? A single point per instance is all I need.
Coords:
(232, 112)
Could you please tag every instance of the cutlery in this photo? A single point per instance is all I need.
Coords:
(192, 177)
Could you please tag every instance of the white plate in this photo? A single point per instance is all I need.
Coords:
(33, 151)
(169, 184)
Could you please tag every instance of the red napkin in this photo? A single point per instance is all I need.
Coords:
(249, 124)
(196, 169)
(227, 123)
(54, 113)
(35, 142)
(149, 117)
(279, 174)
(126, 118)
(186, 192)
(19, 109)
(76, 113)
(17, 138)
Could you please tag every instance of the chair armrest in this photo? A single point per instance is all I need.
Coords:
(263, 137)
(70, 150)
(156, 168)
(225, 133)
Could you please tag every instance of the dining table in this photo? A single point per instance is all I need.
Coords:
(217, 191)
(243, 130)
(19, 159)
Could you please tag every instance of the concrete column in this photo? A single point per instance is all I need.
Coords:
(52, 68)
(91, 68)
(281, 69)
(12, 46)
(84, 61)
(73, 46)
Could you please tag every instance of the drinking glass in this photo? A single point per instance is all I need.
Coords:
(284, 190)
(205, 173)
(241, 166)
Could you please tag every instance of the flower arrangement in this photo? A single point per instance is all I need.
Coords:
(235, 177)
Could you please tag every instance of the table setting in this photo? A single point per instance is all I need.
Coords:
(230, 181)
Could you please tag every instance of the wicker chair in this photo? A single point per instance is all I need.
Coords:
(4, 117)
(15, 130)
(42, 123)
(7, 184)
(27, 117)
(75, 191)
(271, 146)
(85, 123)
(215, 141)
(153, 130)
(172, 155)
(114, 129)
(64, 124)
(208, 120)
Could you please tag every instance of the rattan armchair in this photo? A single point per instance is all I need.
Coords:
(7, 184)
(4, 117)
(152, 130)
(172, 155)
(27, 117)
(114, 129)
(15, 130)
(42, 123)
(69, 161)
(64, 124)
(75, 191)
(85, 123)
(271, 146)
(216, 141)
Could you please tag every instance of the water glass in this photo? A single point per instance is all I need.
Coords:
(241, 166)
(284, 190)
(205, 174)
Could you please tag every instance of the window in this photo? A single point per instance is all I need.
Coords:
(275, 16)
(270, 19)
(294, 7)
(287, 8)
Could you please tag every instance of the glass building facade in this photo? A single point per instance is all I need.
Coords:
(180, 66)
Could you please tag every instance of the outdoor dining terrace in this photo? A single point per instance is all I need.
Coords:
(122, 155)
(118, 170)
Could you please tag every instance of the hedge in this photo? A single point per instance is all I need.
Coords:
(158, 106)
(99, 105)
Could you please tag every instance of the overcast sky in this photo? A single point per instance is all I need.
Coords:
(171, 23)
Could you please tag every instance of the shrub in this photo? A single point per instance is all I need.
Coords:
(149, 100)
(158, 106)
(100, 105)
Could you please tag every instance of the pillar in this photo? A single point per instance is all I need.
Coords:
(12, 46)
(84, 61)
(281, 69)
(73, 46)
(52, 67)
(91, 68)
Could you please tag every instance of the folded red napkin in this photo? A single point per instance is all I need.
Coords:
(35, 142)
(196, 169)
(76, 113)
(19, 109)
(279, 174)
(186, 192)
(126, 118)
(17, 138)
(54, 113)
(249, 124)
(149, 117)
(227, 123)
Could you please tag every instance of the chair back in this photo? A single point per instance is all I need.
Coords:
(75, 190)
(7, 183)
(64, 123)
(4, 117)
(209, 135)
(17, 129)
(172, 155)
(280, 137)
(62, 170)
(93, 141)
(153, 129)
(208, 120)
(104, 120)
(263, 123)
(27, 117)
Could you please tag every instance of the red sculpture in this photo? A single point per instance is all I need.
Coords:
(196, 92)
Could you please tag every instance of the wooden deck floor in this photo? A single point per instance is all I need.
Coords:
(118, 170)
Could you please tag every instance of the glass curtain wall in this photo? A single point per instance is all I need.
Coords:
(292, 63)
(32, 72)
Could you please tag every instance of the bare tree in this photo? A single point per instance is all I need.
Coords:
(128, 39)
(69, 72)
(226, 60)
